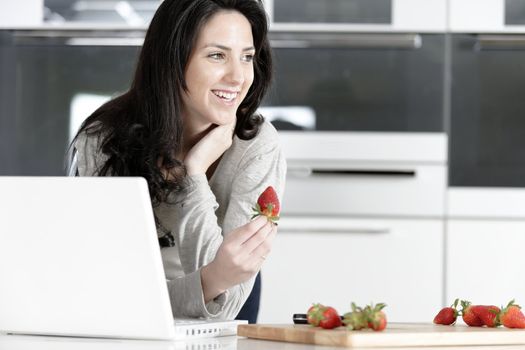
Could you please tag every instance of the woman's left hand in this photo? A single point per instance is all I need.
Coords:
(239, 257)
(209, 149)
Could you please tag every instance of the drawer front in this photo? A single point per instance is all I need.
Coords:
(485, 261)
(399, 262)
(365, 189)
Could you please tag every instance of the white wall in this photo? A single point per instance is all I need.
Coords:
(19, 13)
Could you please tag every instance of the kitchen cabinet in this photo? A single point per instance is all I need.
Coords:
(362, 221)
(364, 260)
(485, 260)
(485, 238)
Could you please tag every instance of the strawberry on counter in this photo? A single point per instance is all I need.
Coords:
(487, 314)
(447, 315)
(323, 316)
(376, 317)
(468, 315)
(511, 316)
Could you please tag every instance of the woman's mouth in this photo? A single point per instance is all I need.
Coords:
(226, 96)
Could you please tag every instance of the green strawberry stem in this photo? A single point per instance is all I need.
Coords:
(257, 212)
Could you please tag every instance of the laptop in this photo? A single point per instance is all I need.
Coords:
(79, 256)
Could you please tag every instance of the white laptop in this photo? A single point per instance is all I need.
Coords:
(79, 256)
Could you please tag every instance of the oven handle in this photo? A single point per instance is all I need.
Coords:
(296, 40)
(500, 42)
(307, 172)
(326, 225)
(125, 37)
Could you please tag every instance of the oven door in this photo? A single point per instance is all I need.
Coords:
(487, 111)
(52, 82)
(357, 82)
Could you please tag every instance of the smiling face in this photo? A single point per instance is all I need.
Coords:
(219, 71)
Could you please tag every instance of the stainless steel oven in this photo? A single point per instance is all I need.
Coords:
(51, 81)
(357, 65)
(487, 110)
(349, 81)
(56, 74)
(487, 131)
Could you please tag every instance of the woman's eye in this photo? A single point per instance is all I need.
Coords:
(248, 58)
(216, 56)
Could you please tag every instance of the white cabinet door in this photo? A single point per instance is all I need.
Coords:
(485, 262)
(399, 262)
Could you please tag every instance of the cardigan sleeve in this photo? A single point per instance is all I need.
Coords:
(198, 235)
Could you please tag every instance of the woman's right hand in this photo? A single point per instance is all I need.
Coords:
(239, 257)
(205, 152)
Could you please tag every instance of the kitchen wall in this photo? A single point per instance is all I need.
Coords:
(479, 130)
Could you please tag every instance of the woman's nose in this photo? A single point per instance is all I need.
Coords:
(235, 73)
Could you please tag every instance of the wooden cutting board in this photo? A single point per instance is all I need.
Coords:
(395, 335)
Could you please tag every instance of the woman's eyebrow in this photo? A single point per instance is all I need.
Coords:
(226, 48)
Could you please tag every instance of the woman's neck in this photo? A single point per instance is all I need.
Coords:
(193, 134)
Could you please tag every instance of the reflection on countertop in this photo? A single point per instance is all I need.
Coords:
(29, 342)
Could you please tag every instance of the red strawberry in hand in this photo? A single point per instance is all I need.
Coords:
(376, 317)
(268, 205)
(511, 316)
(487, 314)
(469, 316)
(447, 315)
(323, 316)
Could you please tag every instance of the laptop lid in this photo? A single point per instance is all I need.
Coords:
(79, 256)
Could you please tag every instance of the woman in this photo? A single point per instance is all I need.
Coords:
(188, 126)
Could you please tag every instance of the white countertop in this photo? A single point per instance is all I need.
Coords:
(23, 342)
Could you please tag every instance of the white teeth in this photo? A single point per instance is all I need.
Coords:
(225, 95)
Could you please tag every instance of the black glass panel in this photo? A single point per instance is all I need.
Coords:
(8, 154)
(487, 114)
(359, 89)
(47, 80)
(334, 11)
(515, 12)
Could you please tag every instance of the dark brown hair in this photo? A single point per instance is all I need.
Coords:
(144, 124)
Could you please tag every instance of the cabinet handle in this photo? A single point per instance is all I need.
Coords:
(80, 37)
(410, 173)
(304, 40)
(500, 42)
(327, 225)
(307, 172)
(319, 229)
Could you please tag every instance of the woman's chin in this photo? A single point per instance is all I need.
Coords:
(225, 119)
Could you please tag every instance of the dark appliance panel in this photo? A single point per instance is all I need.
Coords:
(358, 82)
(487, 139)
